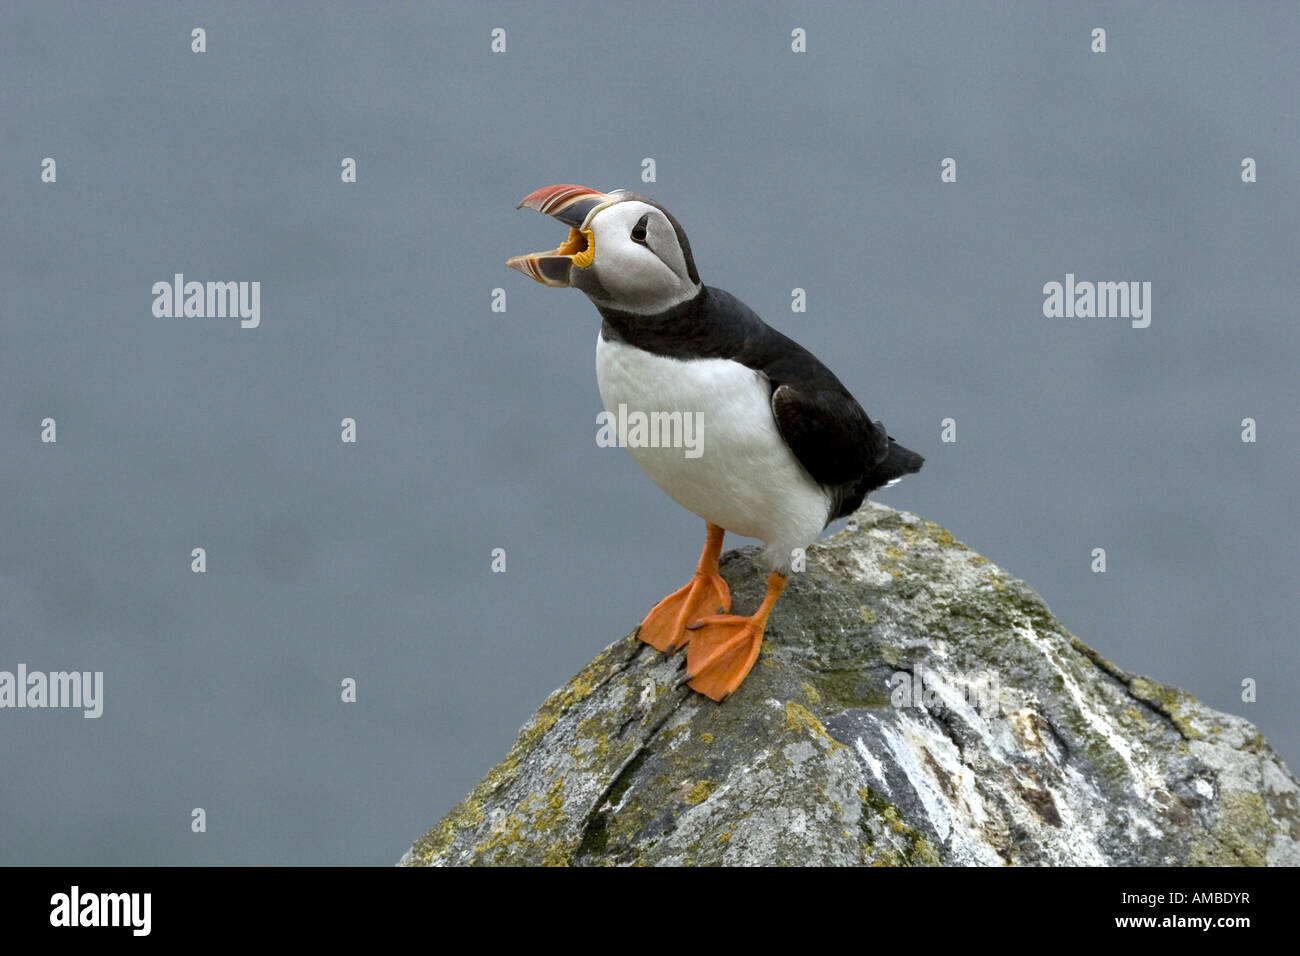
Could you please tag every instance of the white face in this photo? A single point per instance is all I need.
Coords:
(639, 263)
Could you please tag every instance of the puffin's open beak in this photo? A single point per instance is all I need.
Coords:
(573, 206)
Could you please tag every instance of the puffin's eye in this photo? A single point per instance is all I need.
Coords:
(638, 231)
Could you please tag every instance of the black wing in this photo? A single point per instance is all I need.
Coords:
(829, 433)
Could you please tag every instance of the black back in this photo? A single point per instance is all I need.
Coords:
(828, 431)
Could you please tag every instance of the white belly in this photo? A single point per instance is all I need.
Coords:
(745, 478)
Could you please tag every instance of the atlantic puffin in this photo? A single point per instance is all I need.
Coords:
(786, 449)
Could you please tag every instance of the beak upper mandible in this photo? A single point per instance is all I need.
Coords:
(566, 202)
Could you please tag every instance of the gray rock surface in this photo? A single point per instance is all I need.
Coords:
(913, 705)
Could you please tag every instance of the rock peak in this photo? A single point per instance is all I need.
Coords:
(913, 705)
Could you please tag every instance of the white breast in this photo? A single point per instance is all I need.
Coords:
(745, 478)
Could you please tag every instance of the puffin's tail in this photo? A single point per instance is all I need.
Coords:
(899, 462)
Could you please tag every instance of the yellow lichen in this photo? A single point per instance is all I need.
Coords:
(1240, 836)
(941, 536)
(700, 792)
(506, 835)
(1169, 701)
(797, 716)
(557, 854)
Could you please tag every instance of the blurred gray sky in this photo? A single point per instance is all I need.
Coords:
(476, 430)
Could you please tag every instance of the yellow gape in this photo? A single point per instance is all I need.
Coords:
(581, 245)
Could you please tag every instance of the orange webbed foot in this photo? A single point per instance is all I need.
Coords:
(721, 652)
(664, 628)
(724, 647)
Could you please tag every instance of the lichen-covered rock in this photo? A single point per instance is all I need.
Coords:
(913, 705)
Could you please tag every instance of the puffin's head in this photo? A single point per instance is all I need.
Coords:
(624, 250)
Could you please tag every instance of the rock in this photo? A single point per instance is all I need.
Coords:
(913, 705)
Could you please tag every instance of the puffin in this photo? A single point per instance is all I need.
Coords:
(784, 447)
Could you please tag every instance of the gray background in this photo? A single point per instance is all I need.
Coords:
(477, 429)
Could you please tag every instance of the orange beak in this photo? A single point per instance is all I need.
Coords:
(573, 206)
